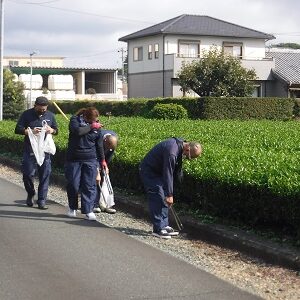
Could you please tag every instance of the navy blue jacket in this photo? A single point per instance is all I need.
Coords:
(164, 160)
(108, 153)
(84, 143)
(29, 118)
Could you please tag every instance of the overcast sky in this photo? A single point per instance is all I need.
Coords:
(86, 32)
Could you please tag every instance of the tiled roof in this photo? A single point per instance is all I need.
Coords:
(198, 25)
(287, 66)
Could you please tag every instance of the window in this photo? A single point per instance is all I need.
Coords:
(234, 49)
(257, 91)
(138, 53)
(156, 55)
(149, 51)
(13, 63)
(189, 48)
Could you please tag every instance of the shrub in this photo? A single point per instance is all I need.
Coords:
(13, 98)
(168, 112)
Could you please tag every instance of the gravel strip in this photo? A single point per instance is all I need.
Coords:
(252, 275)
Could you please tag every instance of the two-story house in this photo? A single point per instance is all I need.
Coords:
(156, 53)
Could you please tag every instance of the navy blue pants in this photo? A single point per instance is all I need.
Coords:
(159, 210)
(81, 178)
(29, 169)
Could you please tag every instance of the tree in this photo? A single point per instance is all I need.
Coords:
(13, 97)
(286, 45)
(216, 74)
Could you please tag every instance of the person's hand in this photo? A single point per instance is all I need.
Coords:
(104, 166)
(169, 200)
(36, 130)
(95, 125)
(49, 129)
(98, 177)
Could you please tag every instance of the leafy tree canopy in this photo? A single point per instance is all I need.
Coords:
(286, 45)
(13, 97)
(216, 74)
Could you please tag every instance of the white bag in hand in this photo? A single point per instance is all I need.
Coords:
(107, 194)
(37, 144)
(49, 146)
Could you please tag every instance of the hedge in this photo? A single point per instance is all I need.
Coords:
(197, 108)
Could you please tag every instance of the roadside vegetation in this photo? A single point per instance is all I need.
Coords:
(249, 172)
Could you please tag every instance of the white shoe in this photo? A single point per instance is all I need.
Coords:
(91, 216)
(71, 213)
(171, 231)
(97, 210)
(163, 234)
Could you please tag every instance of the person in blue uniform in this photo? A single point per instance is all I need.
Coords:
(110, 142)
(84, 156)
(158, 170)
(34, 118)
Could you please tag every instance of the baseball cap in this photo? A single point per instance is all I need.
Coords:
(43, 101)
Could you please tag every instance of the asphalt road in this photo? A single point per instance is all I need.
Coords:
(46, 255)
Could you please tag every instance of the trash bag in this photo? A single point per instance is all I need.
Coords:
(40, 144)
(49, 146)
(37, 144)
(107, 194)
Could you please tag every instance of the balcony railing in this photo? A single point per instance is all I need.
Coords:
(262, 66)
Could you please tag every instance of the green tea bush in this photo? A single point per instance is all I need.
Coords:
(168, 112)
(249, 170)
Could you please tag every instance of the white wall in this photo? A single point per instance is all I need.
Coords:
(252, 49)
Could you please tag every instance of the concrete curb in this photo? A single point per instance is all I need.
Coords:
(223, 236)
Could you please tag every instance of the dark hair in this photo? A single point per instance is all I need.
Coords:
(90, 114)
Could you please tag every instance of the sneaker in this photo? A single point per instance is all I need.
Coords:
(110, 210)
(90, 216)
(71, 213)
(97, 210)
(163, 234)
(42, 206)
(29, 201)
(171, 231)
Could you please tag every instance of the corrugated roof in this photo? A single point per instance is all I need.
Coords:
(56, 70)
(198, 25)
(287, 66)
(67, 68)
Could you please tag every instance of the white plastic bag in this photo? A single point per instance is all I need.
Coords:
(40, 144)
(37, 144)
(49, 146)
(107, 194)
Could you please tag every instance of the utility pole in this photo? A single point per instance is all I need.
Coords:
(30, 99)
(1, 56)
(123, 51)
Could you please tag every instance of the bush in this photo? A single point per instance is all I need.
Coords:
(208, 108)
(13, 98)
(248, 108)
(168, 112)
(297, 108)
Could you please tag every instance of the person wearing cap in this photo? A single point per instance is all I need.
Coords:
(34, 118)
(161, 165)
(110, 142)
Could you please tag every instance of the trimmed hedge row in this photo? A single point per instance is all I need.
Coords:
(197, 108)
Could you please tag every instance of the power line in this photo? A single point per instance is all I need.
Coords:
(44, 4)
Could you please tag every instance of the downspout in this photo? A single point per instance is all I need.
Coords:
(163, 79)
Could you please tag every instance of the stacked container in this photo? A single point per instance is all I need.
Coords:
(61, 87)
